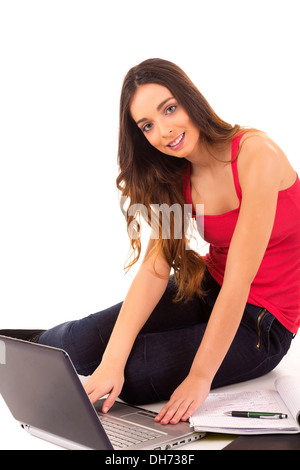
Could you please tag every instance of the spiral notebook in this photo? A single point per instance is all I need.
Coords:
(210, 417)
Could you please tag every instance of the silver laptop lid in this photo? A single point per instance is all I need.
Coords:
(35, 386)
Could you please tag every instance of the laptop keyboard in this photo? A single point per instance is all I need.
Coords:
(123, 435)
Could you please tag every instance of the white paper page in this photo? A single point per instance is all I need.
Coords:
(289, 388)
(211, 413)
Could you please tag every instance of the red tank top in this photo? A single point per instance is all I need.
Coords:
(276, 286)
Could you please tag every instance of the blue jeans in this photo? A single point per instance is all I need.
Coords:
(166, 346)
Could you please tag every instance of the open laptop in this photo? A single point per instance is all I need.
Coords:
(44, 393)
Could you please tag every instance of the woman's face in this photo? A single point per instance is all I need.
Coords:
(163, 121)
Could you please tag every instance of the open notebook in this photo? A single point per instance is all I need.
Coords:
(210, 416)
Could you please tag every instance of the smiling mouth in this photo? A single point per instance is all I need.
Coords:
(176, 142)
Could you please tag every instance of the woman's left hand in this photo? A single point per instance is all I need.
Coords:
(186, 398)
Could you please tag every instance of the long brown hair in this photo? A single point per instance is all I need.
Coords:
(149, 177)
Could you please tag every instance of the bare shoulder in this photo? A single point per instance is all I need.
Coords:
(260, 154)
(257, 144)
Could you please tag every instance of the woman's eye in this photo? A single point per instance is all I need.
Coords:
(171, 109)
(146, 127)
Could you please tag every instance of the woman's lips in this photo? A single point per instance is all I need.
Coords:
(175, 144)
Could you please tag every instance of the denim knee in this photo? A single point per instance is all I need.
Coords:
(81, 341)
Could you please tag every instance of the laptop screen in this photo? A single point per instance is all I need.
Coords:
(41, 390)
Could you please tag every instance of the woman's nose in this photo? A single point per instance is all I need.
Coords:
(166, 131)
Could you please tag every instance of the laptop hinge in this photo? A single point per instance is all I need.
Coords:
(57, 440)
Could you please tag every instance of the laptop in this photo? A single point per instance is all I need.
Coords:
(43, 391)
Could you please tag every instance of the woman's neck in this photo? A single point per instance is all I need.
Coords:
(206, 156)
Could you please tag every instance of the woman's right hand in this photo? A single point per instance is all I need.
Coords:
(105, 380)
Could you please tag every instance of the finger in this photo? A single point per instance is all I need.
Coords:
(161, 413)
(170, 413)
(191, 409)
(93, 396)
(108, 403)
(93, 392)
(180, 413)
(89, 386)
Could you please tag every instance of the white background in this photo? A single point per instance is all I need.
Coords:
(63, 240)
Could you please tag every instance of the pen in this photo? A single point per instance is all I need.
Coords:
(256, 414)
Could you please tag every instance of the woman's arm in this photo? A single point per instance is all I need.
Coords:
(260, 178)
(136, 309)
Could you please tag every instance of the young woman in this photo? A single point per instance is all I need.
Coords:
(220, 319)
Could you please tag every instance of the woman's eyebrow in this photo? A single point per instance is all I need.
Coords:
(158, 109)
(164, 102)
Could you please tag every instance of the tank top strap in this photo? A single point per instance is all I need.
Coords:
(234, 150)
